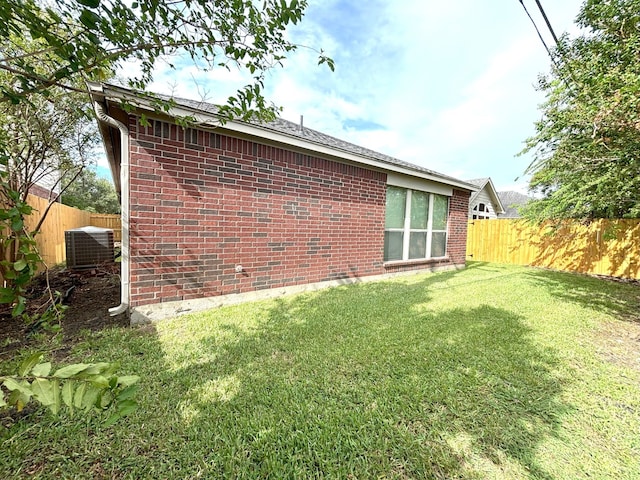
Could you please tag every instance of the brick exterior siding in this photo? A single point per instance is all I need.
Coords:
(42, 192)
(203, 203)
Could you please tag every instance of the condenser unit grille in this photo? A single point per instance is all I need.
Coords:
(88, 247)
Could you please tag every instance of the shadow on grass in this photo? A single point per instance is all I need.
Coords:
(607, 295)
(366, 380)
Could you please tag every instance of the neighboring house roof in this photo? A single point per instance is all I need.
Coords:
(511, 201)
(279, 130)
(487, 185)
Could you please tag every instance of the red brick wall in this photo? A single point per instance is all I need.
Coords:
(202, 203)
(458, 218)
(41, 192)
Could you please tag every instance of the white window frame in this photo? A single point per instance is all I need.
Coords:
(481, 212)
(407, 230)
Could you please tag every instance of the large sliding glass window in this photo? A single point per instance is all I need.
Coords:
(415, 225)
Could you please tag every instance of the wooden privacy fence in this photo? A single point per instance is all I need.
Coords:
(603, 247)
(60, 218)
(108, 221)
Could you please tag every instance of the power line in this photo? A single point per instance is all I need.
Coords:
(553, 58)
(544, 15)
(537, 29)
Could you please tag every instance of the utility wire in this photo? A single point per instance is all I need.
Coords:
(553, 58)
(538, 31)
(546, 19)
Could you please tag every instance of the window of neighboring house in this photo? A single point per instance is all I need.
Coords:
(481, 212)
(415, 225)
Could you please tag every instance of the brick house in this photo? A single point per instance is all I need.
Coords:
(221, 213)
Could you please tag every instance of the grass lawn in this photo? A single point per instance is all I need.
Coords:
(492, 372)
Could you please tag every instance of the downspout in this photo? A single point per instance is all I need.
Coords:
(124, 200)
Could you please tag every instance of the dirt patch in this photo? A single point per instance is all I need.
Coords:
(619, 343)
(88, 295)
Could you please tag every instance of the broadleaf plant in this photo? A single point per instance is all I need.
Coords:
(82, 386)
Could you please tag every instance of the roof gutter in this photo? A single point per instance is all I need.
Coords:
(124, 200)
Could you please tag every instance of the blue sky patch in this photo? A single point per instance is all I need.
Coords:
(361, 124)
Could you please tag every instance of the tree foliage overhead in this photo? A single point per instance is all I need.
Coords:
(587, 144)
(48, 49)
(47, 141)
(84, 38)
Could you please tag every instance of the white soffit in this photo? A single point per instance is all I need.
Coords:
(415, 183)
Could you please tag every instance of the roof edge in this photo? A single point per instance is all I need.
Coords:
(101, 91)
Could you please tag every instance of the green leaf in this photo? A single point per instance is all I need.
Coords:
(7, 295)
(97, 368)
(43, 391)
(89, 3)
(9, 275)
(29, 363)
(127, 380)
(67, 393)
(55, 406)
(13, 385)
(90, 397)
(105, 399)
(17, 224)
(19, 265)
(79, 395)
(124, 408)
(89, 19)
(41, 370)
(112, 419)
(70, 370)
(19, 307)
(19, 399)
(3, 402)
(99, 381)
(127, 393)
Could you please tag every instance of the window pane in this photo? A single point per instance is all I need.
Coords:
(393, 245)
(396, 204)
(419, 210)
(440, 212)
(417, 245)
(438, 244)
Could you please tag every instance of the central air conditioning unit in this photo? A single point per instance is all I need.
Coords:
(88, 247)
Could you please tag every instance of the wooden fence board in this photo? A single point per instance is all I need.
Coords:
(108, 221)
(61, 218)
(604, 247)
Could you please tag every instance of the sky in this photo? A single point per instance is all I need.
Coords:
(449, 86)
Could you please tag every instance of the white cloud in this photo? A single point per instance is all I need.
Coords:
(446, 85)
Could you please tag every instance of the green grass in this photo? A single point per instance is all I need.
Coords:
(491, 372)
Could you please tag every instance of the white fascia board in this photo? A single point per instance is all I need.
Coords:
(496, 198)
(476, 193)
(208, 120)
